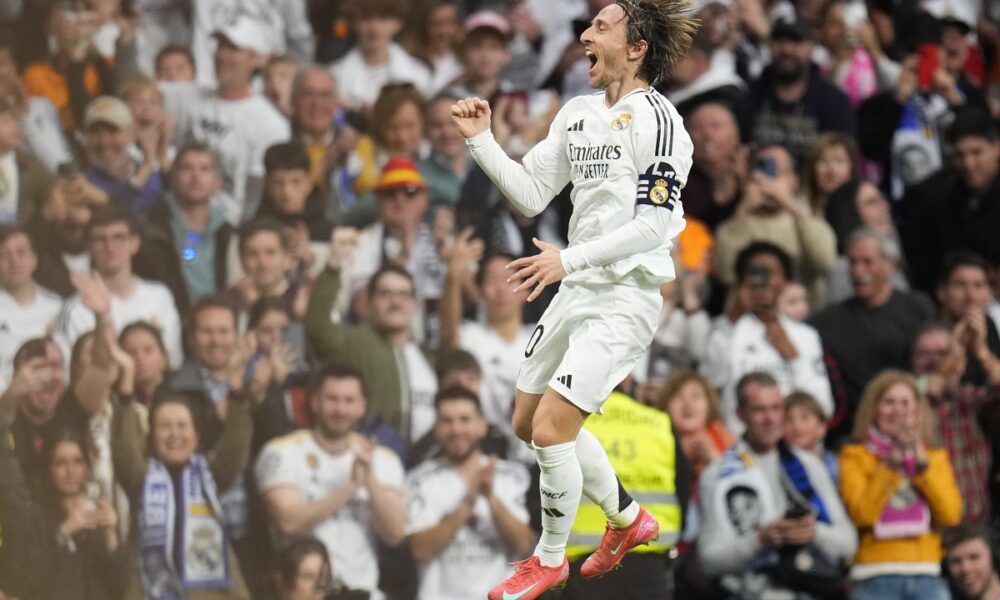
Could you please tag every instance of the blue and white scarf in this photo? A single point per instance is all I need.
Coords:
(204, 560)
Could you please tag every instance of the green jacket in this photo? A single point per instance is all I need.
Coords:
(360, 346)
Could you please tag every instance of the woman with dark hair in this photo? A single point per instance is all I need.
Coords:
(143, 342)
(88, 556)
(183, 544)
(302, 570)
(434, 35)
(396, 128)
(832, 161)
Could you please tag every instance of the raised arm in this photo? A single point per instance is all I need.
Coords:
(329, 339)
(529, 186)
(462, 254)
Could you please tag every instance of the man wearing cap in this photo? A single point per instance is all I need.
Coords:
(791, 103)
(376, 60)
(109, 132)
(237, 123)
(401, 237)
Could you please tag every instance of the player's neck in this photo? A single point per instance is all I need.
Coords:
(620, 88)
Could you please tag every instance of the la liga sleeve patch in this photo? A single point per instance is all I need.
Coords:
(662, 190)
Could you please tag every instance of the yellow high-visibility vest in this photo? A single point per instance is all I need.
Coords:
(642, 450)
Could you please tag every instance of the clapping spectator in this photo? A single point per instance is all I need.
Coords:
(154, 128)
(334, 482)
(899, 491)
(964, 296)
(265, 253)
(483, 508)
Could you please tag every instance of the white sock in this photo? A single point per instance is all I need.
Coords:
(560, 485)
(601, 485)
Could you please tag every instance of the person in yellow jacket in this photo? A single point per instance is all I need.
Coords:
(899, 492)
(642, 447)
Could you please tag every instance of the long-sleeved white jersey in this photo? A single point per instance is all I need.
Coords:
(627, 164)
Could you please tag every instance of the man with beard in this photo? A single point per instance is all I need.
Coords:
(331, 482)
(791, 104)
(467, 515)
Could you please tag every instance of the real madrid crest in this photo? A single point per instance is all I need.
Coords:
(621, 122)
(658, 194)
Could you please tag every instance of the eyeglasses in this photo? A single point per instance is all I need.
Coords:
(409, 192)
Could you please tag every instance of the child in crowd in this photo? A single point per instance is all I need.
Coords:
(279, 74)
(794, 301)
(805, 428)
(175, 63)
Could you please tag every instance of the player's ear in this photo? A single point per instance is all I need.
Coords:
(637, 50)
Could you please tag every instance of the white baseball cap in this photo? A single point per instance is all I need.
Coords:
(246, 33)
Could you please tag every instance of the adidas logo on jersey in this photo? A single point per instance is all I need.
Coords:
(578, 126)
(566, 380)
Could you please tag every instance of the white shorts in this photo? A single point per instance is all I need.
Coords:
(589, 339)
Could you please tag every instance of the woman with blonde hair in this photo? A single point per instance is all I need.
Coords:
(693, 406)
(396, 129)
(899, 491)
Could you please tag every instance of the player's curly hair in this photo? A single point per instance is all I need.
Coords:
(667, 27)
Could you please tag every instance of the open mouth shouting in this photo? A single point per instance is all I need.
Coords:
(593, 61)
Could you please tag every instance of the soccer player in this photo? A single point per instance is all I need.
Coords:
(627, 154)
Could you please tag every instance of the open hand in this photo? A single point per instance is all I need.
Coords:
(536, 272)
(93, 292)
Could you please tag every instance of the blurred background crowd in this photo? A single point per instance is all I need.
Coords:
(257, 340)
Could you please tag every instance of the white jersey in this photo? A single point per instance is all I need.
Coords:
(239, 131)
(734, 352)
(477, 557)
(22, 322)
(150, 301)
(627, 165)
(296, 461)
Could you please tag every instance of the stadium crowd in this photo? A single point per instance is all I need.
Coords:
(257, 338)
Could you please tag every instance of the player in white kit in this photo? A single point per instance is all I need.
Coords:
(627, 155)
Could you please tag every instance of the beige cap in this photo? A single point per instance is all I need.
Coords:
(108, 110)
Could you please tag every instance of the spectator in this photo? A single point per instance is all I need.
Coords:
(27, 310)
(376, 60)
(754, 513)
(497, 342)
(397, 129)
(435, 37)
(175, 63)
(771, 210)
(41, 132)
(484, 55)
(90, 559)
(764, 340)
(856, 63)
(153, 126)
(964, 297)
(206, 565)
(144, 344)
(831, 162)
(857, 205)
(693, 407)
(969, 561)
(791, 103)
(939, 359)
(697, 78)
(721, 164)
(402, 238)
(957, 209)
(291, 198)
(805, 429)
(188, 229)
(320, 124)
(113, 240)
(238, 124)
(899, 491)
(793, 302)
(873, 330)
(278, 75)
(24, 182)
(335, 483)
(448, 164)
(266, 257)
(109, 133)
(467, 516)
(400, 378)
(302, 570)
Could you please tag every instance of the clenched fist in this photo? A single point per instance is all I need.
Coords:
(472, 116)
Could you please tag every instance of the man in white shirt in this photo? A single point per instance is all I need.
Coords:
(497, 341)
(336, 484)
(237, 123)
(377, 60)
(762, 339)
(27, 310)
(112, 241)
(467, 517)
